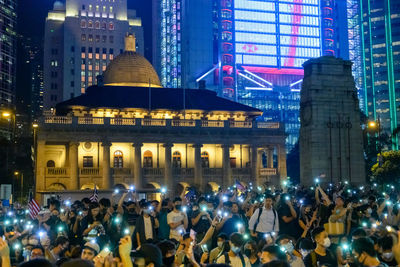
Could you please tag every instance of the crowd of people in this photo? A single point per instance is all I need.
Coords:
(338, 225)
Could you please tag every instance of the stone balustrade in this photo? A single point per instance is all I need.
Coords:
(68, 120)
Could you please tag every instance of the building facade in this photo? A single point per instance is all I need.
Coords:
(123, 133)
(81, 38)
(8, 60)
(257, 49)
(381, 54)
(8, 27)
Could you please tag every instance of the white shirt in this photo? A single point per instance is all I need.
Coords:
(148, 229)
(266, 223)
(235, 261)
(174, 217)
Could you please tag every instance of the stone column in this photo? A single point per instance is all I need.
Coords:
(40, 171)
(255, 172)
(107, 176)
(168, 179)
(270, 157)
(226, 166)
(138, 172)
(198, 170)
(73, 165)
(259, 166)
(132, 163)
(282, 162)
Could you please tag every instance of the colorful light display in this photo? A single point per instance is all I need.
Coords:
(279, 34)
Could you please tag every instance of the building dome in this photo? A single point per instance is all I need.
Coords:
(130, 69)
(58, 5)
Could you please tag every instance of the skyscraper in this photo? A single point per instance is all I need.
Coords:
(250, 51)
(8, 17)
(81, 38)
(381, 53)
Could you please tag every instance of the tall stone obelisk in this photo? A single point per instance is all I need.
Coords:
(331, 142)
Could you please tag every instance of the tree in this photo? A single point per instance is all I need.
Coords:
(387, 169)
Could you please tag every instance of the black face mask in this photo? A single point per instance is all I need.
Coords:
(247, 252)
(168, 261)
(178, 207)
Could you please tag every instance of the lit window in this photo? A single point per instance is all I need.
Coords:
(118, 159)
(90, 24)
(111, 26)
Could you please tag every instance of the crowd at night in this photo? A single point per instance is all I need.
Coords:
(337, 225)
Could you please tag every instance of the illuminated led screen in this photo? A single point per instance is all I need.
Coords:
(276, 33)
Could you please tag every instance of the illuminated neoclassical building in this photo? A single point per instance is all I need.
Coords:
(129, 130)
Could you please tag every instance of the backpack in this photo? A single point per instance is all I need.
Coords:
(260, 210)
(228, 261)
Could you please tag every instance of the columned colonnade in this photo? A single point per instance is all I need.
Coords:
(135, 164)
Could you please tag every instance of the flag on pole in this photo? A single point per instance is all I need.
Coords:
(33, 206)
(95, 196)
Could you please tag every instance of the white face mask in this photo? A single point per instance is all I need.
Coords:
(327, 242)
(304, 253)
(387, 255)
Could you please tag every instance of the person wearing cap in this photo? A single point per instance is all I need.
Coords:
(89, 251)
(234, 257)
(265, 219)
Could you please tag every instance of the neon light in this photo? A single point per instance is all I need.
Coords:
(296, 20)
(205, 74)
(254, 81)
(258, 77)
(392, 92)
(295, 90)
(259, 88)
(267, 70)
(293, 84)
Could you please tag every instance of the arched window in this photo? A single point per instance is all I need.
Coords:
(50, 164)
(111, 26)
(205, 161)
(97, 24)
(176, 160)
(90, 24)
(118, 159)
(83, 23)
(104, 25)
(148, 159)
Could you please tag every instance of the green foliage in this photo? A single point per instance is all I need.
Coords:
(388, 171)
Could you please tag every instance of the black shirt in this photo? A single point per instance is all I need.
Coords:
(329, 260)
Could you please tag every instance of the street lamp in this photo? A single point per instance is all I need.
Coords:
(6, 114)
(35, 127)
(17, 173)
(372, 124)
(376, 126)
